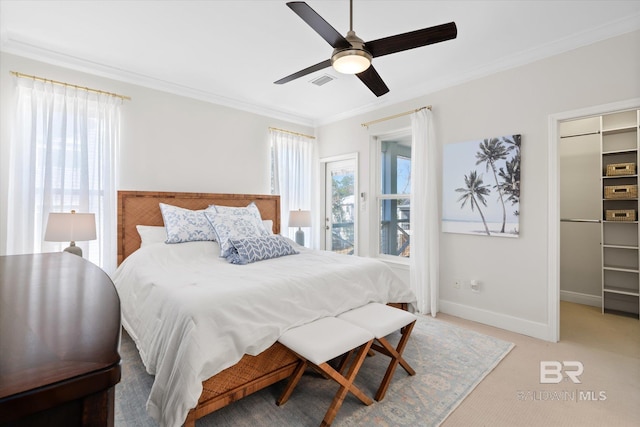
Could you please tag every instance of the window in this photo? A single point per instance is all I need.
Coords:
(63, 158)
(394, 196)
(292, 169)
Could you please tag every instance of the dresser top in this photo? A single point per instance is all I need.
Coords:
(59, 322)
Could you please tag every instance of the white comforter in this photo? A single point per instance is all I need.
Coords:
(192, 314)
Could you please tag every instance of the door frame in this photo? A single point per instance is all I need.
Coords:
(553, 216)
(356, 207)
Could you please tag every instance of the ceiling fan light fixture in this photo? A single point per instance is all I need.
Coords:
(351, 61)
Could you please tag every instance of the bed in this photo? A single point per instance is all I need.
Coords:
(209, 346)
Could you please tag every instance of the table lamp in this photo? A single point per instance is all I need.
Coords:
(300, 219)
(71, 227)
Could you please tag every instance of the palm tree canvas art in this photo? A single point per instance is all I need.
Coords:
(481, 187)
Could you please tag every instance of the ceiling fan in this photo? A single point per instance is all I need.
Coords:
(351, 55)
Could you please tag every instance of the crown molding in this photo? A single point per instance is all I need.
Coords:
(576, 41)
(13, 45)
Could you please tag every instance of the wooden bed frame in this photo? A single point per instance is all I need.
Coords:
(251, 373)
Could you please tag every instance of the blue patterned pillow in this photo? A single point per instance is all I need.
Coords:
(244, 251)
(185, 225)
(226, 227)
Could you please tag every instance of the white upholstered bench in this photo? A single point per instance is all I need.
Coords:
(381, 320)
(317, 343)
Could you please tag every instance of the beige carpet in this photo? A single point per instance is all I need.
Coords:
(607, 345)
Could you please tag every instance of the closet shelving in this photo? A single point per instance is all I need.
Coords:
(620, 230)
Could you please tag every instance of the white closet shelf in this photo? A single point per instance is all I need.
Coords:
(618, 176)
(618, 268)
(626, 150)
(620, 291)
(621, 129)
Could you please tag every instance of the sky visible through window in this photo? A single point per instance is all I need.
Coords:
(404, 175)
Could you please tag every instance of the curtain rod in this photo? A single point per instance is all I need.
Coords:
(293, 133)
(428, 107)
(42, 79)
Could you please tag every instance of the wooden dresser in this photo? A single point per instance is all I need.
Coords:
(59, 340)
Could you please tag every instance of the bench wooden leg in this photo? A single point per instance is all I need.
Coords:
(396, 358)
(346, 384)
(321, 341)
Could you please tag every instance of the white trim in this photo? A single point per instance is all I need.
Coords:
(553, 218)
(580, 298)
(340, 157)
(499, 320)
(14, 46)
(593, 35)
(392, 259)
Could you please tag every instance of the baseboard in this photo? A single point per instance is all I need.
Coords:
(580, 298)
(510, 323)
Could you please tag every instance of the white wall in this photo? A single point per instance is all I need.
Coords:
(177, 144)
(169, 142)
(513, 272)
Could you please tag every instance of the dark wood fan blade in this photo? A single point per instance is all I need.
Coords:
(308, 70)
(412, 39)
(322, 27)
(373, 81)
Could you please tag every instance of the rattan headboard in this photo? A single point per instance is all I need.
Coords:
(141, 208)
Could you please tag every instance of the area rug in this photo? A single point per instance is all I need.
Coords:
(449, 362)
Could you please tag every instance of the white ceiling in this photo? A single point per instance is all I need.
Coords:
(231, 52)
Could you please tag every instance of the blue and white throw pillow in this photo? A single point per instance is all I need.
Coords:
(245, 251)
(226, 227)
(185, 225)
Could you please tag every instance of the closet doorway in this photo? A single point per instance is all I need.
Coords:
(580, 214)
(578, 209)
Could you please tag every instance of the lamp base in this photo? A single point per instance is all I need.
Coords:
(73, 249)
(300, 237)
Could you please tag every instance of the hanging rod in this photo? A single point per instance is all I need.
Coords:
(367, 124)
(595, 221)
(581, 134)
(55, 82)
(293, 133)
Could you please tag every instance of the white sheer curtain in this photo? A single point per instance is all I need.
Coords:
(424, 213)
(294, 160)
(63, 157)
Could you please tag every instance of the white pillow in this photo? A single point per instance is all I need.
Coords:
(185, 225)
(150, 234)
(268, 225)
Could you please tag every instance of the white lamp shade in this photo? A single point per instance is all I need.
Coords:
(70, 227)
(300, 218)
